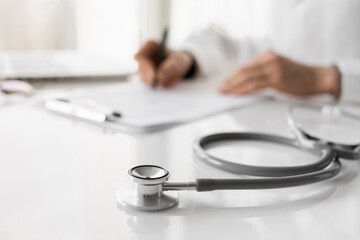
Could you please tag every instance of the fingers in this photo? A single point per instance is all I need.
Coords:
(250, 86)
(170, 72)
(247, 85)
(173, 68)
(146, 60)
(167, 74)
(243, 75)
(252, 76)
(148, 51)
(246, 80)
(146, 70)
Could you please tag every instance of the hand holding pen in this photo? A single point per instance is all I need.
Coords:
(160, 66)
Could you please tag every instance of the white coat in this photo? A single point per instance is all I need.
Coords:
(315, 32)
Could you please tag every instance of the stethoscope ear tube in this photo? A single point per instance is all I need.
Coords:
(327, 155)
(345, 151)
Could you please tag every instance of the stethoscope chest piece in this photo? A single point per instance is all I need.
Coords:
(147, 193)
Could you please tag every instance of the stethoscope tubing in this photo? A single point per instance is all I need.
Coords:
(268, 183)
(327, 155)
(326, 167)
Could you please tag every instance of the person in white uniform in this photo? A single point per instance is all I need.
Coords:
(313, 48)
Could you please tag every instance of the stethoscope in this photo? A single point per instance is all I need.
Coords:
(151, 190)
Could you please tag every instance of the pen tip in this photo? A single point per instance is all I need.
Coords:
(116, 114)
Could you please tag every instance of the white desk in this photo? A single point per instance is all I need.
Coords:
(59, 178)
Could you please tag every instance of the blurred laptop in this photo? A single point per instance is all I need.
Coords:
(62, 66)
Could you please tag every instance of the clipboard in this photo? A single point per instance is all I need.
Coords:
(144, 109)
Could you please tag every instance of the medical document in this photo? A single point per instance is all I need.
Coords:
(144, 109)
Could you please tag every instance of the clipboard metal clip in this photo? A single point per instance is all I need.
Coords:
(84, 109)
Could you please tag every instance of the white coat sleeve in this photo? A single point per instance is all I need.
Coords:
(350, 78)
(214, 50)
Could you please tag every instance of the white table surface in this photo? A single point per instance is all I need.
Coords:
(59, 179)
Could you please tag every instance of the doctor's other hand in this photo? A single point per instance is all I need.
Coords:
(175, 66)
(271, 70)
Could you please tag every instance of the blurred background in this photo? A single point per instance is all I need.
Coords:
(118, 27)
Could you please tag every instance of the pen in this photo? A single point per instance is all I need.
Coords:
(85, 109)
(161, 55)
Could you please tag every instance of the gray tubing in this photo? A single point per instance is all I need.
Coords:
(204, 185)
(326, 167)
(327, 155)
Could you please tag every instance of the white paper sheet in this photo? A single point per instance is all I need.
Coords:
(145, 109)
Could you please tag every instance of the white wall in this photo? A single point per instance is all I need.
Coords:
(119, 27)
(29, 24)
(97, 26)
(240, 18)
(108, 27)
